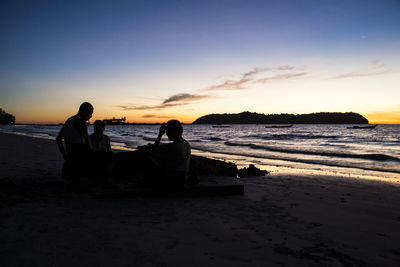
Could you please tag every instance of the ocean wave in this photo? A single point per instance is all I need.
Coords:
(215, 139)
(150, 139)
(371, 156)
(297, 160)
(194, 140)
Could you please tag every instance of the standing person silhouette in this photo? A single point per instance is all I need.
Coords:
(77, 147)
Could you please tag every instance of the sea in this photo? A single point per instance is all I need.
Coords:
(302, 149)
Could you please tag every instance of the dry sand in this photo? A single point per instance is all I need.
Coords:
(281, 220)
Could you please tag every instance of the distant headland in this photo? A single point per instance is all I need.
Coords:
(260, 118)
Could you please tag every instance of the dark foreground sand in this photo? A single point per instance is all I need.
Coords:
(281, 220)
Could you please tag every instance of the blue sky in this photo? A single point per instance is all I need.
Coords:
(124, 56)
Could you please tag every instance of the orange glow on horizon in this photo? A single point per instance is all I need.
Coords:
(384, 122)
(56, 115)
(384, 117)
(129, 119)
(373, 118)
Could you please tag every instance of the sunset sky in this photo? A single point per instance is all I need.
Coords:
(150, 61)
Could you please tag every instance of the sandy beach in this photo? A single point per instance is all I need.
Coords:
(281, 220)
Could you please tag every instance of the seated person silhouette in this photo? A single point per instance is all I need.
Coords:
(165, 166)
(102, 156)
(76, 152)
(173, 159)
(98, 140)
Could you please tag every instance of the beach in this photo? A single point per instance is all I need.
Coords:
(281, 220)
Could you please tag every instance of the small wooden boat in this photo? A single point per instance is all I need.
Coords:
(362, 127)
(279, 126)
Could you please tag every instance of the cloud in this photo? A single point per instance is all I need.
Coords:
(172, 101)
(377, 63)
(185, 97)
(249, 77)
(156, 116)
(156, 107)
(255, 71)
(246, 78)
(375, 69)
(280, 77)
(358, 74)
(229, 85)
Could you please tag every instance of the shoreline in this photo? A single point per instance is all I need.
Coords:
(281, 219)
(55, 161)
(320, 170)
(275, 165)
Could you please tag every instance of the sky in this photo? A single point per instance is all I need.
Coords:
(151, 61)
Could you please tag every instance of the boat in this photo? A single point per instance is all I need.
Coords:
(362, 127)
(279, 126)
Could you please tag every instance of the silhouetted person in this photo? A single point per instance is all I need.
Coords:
(172, 159)
(77, 147)
(164, 165)
(98, 140)
(173, 156)
(102, 156)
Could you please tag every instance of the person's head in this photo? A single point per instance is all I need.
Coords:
(85, 111)
(98, 127)
(174, 130)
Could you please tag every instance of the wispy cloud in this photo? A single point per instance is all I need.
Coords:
(229, 85)
(250, 77)
(255, 71)
(358, 74)
(172, 101)
(155, 107)
(246, 79)
(156, 116)
(185, 97)
(377, 63)
(280, 77)
(375, 69)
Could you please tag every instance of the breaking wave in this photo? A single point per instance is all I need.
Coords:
(372, 156)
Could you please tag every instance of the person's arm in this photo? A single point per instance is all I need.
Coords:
(161, 132)
(60, 143)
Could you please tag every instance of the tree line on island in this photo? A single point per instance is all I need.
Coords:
(260, 118)
(254, 118)
(6, 118)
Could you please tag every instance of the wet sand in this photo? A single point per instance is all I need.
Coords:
(281, 220)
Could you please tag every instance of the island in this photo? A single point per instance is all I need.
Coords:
(260, 118)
